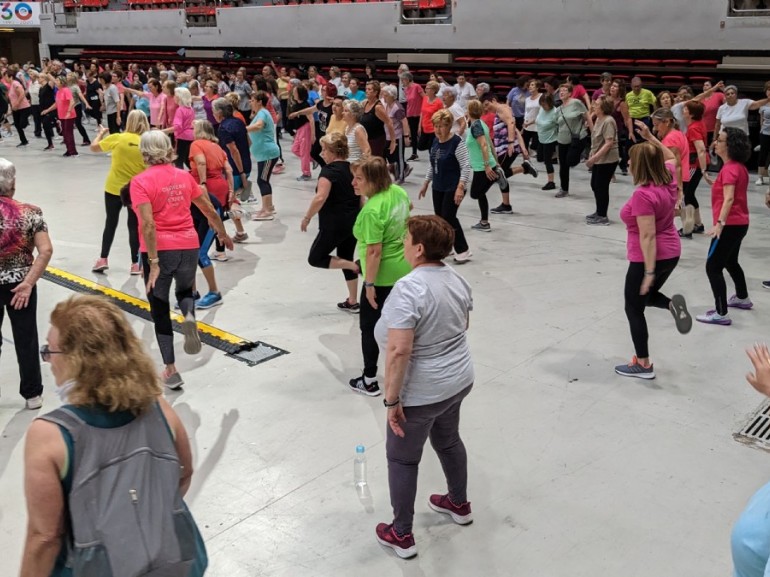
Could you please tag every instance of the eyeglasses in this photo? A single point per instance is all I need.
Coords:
(46, 352)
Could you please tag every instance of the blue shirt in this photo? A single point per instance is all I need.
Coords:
(360, 96)
(750, 539)
(233, 130)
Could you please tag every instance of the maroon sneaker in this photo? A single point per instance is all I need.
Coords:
(403, 546)
(461, 514)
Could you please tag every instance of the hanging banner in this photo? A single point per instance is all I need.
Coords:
(19, 14)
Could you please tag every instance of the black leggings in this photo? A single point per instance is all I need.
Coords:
(79, 124)
(112, 123)
(691, 186)
(723, 254)
(546, 155)
(264, 171)
(315, 149)
(336, 234)
(764, 150)
(636, 303)
(480, 185)
(179, 266)
(564, 166)
(25, 339)
(414, 128)
(623, 142)
(444, 205)
(21, 121)
(49, 122)
(113, 205)
(397, 158)
(530, 139)
(601, 176)
(183, 153)
(36, 116)
(368, 319)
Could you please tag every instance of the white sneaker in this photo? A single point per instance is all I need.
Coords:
(760, 181)
(463, 257)
(34, 403)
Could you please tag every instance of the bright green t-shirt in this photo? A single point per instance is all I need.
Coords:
(127, 161)
(479, 127)
(382, 220)
(639, 104)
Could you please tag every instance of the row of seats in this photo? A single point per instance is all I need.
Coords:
(572, 61)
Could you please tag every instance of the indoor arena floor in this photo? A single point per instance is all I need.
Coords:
(573, 470)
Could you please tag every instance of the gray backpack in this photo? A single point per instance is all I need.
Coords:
(127, 515)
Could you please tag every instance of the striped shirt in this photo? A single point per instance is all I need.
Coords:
(449, 164)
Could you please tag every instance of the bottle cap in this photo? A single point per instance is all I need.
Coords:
(360, 449)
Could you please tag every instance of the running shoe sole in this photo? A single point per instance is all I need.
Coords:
(192, 340)
(174, 382)
(459, 519)
(681, 315)
(646, 376)
(402, 553)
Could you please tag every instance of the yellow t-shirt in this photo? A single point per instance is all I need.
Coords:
(334, 125)
(127, 161)
(639, 104)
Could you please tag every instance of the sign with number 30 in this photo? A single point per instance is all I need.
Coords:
(19, 14)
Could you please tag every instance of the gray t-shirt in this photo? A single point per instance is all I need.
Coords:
(435, 302)
(111, 97)
(764, 117)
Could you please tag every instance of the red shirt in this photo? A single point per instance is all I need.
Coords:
(414, 96)
(216, 159)
(696, 130)
(169, 191)
(426, 113)
(736, 174)
(489, 120)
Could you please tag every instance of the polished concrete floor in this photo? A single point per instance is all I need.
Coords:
(574, 471)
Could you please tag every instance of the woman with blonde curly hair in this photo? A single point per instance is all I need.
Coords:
(112, 396)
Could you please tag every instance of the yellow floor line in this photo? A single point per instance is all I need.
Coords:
(140, 303)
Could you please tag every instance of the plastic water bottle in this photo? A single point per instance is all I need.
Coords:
(359, 468)
(239, 211)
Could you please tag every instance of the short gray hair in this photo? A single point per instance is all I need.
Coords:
(407, 76)
(156, 148)
(450, 91)
(483, 86)
(223, 107)
(7, 177)
(354, 107)
(184, 96)
(391, 90)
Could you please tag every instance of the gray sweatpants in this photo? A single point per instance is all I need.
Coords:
(440, 422)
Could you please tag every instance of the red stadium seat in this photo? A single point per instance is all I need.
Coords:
(506, 60)
(465, 59)
(647, 62)
(704, 62)
(526, 60)
(700, 78)
(621, 61)
(567, 61)
(548, 60)
(675, 62)
(596, 61)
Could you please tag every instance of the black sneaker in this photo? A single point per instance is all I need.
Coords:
(699, 229)
(549, 186)
(683, 235)
(346, 306)
(359, 385)
(766, 284)
(413, 157)
(529, 169)
(502, 209)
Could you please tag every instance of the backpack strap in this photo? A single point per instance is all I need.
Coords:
(65, 417)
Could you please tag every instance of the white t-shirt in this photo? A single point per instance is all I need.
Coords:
(457, 113)
(434, 301)
(678, 111)
(735, 116)
(531, 109)
(764, 116)
(464, 94)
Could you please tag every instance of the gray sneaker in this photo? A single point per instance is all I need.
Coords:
(173, 381)
(561, 193)
(192, 340)
(678, 308)
(482, 226)
(634, 369)
(598, 221)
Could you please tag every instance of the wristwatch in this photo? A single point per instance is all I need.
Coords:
(390, 405)
(721, 222)
(368, 284)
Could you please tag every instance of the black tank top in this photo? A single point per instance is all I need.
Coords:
(375, 127)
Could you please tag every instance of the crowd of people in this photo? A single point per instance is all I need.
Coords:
(183, 144)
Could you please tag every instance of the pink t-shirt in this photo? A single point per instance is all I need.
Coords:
(183, 123)
(657, 201)
(736, 174)
(17, 96)
(413, 100)
(712, 104)
(170, 191)
(675, 139)
(63, 99)
(578, 92)
(157, 104)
